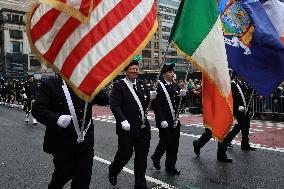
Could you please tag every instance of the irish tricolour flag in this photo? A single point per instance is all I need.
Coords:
(197, 34)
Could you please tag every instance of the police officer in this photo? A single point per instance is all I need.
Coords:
(166, 107)
(30, 91)
(68, 137)
(128, 102)
(241, 96)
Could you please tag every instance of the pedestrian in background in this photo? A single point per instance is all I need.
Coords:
(30, 90)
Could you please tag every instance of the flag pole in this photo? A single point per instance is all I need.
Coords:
(180, 100)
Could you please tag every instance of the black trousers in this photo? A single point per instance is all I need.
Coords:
(169, 143)
(126, 145)
(28, 106)
(206, 136)
(243, 125)
(77, 167)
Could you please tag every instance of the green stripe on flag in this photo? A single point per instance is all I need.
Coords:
(193, 22)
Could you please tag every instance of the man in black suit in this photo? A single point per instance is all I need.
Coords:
(68, 137)
(128, 102)
(242, 97)
(166, 116)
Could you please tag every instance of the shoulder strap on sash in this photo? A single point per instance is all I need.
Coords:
(169, 100)
(242, 94)
(130, 87)
(80, 132)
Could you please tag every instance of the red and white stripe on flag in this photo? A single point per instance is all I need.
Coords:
(90, 55)
(79, 9)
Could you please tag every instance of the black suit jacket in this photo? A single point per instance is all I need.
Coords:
(49, 105)
(161, 106)
(124, 107)
(237, 98)
(31, 89)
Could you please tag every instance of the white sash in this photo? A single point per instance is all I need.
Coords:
(169, 100)
(130, 87)
(242, 94)
(80, 132)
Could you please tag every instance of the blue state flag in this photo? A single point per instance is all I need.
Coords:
(254, 48)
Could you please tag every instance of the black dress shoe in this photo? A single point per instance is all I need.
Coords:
(248, 147)
(112, 179)
(173, 171)
(224, 158)
(156, 163)
(196, 148)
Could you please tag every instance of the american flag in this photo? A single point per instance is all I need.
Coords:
(89, 55)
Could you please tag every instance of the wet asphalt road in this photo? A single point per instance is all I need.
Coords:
(23, 164)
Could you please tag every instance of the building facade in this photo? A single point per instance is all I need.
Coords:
(152, 53)
(167, 11)
(16, 59)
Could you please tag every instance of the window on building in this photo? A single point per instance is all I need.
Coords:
(156, 54)
(16, 46)
(156, 36)
(1, 42)
(16, 34)
(166, 37)
(146, 54)
(146, 63)
(15, 18)
(166, 29)
(34, 62)
(9, 17)
(148, 45)
(172, 53)
(156, 45)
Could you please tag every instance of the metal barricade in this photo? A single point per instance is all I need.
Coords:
(272, 106)
(194, 103)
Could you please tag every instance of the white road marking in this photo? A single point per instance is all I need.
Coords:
(259, 146)
(148, 178)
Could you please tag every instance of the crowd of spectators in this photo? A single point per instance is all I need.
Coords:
(12, 95)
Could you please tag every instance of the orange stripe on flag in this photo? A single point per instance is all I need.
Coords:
(217, 112)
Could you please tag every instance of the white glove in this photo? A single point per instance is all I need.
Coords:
(182, 92)
(64, 120)
(241, 109)
(153, 95)
(164, 124)
(25, 96)
(125, 125)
